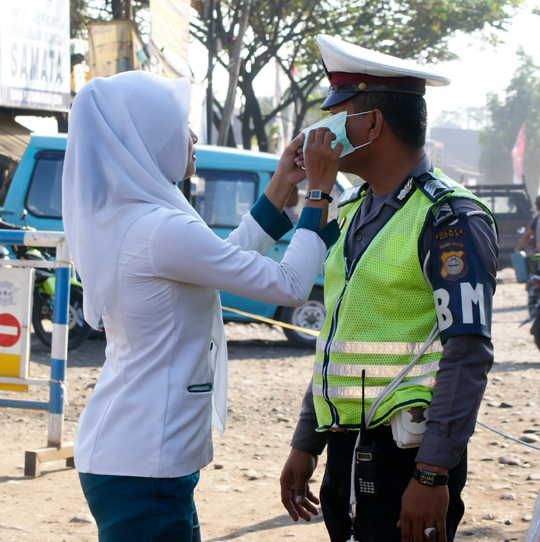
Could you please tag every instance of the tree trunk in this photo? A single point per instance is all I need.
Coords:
(231, 140)
(234, 72)
(252, 107)
(246, 129)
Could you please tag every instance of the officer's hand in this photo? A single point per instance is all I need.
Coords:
(295, 493)
(321, 160)
(422, 507)
(290, 169)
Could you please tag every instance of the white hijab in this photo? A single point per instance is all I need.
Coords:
(127, 145)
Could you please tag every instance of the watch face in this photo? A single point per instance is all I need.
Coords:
(315, 194)
(427, 478)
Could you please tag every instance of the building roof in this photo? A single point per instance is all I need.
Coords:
(14, 138)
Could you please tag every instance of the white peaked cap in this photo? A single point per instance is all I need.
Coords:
(352, 69)
(341, 56)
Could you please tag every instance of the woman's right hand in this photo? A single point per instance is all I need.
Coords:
(290, 170)
(289, 173)
(321, 160)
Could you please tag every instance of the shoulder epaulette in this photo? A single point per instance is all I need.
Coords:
(433, 187)
(444, 212)
(351, 194)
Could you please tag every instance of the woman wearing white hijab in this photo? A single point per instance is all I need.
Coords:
(151, 270)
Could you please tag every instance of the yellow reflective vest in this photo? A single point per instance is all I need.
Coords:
(379, 313)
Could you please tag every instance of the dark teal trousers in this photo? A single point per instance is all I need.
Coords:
(132, 509)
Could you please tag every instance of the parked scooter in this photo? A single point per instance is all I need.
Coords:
(533, 300)
(43, 298)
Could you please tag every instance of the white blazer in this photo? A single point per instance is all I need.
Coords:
(151, 410)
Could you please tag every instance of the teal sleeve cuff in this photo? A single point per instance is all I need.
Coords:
(274, 223)
(309, 220)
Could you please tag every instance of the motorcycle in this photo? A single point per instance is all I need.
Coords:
(533, 300)
(43, 297)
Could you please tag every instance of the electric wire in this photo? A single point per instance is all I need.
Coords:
(508, 436)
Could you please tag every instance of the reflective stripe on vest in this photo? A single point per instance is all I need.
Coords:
(353, 347)
(372, 392)
(374, 371)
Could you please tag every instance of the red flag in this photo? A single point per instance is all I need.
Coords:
(517, 156)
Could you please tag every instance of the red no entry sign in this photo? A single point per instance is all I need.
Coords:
(10, 330)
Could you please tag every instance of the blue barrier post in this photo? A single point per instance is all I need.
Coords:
(55, 449)
(59, 345)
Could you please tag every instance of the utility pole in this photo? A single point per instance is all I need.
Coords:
(128, 10)
(209, 74)
(122, 10)
(234, 72)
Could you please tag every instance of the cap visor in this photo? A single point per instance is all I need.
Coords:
(337, 98)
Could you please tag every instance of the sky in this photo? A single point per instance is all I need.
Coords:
(481, 68)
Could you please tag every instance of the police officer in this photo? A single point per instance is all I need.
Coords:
(408, 286)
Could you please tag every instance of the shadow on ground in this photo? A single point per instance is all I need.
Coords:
(282, 520)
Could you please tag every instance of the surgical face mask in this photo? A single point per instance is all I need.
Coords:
(336, 124)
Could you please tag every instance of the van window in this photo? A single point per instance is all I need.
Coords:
(44, 197)
(223, 197)
(512, 207)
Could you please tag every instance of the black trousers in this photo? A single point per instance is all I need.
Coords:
(377, 516)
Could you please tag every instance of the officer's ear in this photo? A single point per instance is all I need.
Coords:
(376, 119)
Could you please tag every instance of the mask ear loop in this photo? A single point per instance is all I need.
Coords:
(355, 115)
(362, 113)
(360, 146)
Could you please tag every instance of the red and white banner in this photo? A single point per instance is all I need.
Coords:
(517, 156)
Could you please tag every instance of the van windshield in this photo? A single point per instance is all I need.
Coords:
(44, 198)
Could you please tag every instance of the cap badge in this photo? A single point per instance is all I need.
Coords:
(362, 86)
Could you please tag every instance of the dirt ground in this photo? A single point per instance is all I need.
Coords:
(238, 495)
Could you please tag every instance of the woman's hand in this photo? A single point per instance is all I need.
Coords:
(321, 160)
(289, 173)
(290, 167)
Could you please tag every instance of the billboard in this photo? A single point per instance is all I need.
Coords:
(34, 54)
(110, 48)
(170, 25)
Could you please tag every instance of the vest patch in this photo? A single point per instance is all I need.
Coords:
(453, 265)
(449, 233)
(462, 289)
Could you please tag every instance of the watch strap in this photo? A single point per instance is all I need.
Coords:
(317, 195)
(429, 478)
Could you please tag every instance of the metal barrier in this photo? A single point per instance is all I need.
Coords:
(13, 331)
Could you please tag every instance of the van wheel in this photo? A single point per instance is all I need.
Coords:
(309, 316)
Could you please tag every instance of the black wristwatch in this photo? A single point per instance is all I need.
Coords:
(318, 195)
(429, 478)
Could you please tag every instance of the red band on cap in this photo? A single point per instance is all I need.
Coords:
(340, 78)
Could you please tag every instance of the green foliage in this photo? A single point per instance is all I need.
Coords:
(520, 104)
(77, 13)
(285, 30)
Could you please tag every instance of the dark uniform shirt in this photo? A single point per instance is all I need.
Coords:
(468, 352)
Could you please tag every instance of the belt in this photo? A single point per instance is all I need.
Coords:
(386, 423)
